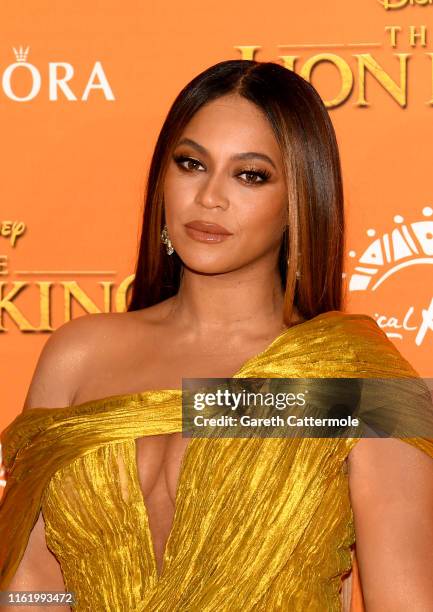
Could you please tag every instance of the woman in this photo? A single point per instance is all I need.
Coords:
(239, 274)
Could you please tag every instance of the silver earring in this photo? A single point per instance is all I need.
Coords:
(166, 240)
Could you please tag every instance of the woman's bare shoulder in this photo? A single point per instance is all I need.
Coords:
(77, 349)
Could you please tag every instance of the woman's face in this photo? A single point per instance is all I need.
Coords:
(226, 169)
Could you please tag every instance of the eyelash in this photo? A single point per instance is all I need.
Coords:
(263, 174)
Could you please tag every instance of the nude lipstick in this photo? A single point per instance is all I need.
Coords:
(203, 231)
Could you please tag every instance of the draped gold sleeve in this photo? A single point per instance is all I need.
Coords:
(40, 442)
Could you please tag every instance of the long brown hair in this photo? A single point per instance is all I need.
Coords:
(313, 243)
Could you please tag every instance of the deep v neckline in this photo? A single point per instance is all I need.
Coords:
(179, 495)
(186, 458)
(179, 498)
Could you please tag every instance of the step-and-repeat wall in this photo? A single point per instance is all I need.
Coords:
(84, 89)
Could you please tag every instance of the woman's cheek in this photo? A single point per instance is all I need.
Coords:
(176, 198)
(263, 210)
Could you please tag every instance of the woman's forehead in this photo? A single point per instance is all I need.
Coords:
(233, 122)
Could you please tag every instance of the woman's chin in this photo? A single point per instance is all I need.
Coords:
(207, 267)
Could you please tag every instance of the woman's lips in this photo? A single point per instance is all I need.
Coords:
(207, 232)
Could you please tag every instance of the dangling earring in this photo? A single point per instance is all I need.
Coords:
(166, 240)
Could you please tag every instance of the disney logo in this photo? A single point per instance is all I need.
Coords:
(12, 230)
(399, 4)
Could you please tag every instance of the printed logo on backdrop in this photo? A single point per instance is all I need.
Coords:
(96, 292)
(58, 80)
(353, 71)
(396, 267)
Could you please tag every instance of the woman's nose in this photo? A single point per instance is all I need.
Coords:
(212, 192)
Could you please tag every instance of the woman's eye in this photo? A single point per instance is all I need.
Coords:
(187, 163)
(254, 177)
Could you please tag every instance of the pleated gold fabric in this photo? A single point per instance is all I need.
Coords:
(261, 524)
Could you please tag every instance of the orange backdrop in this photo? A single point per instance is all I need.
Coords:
(85, 88)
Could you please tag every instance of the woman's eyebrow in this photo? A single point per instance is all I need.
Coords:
(247, 155)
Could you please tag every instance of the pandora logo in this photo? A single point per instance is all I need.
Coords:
(59, 77)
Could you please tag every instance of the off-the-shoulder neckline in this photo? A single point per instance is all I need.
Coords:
(137, 395)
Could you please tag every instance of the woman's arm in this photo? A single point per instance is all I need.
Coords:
(39, 570)
(54, 381)
(391, 491)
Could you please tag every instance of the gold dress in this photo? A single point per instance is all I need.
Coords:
(260, 523)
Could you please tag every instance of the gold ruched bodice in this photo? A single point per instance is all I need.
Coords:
(260, 523)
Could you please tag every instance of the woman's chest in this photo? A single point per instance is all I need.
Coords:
(158, 461)
(214, 499)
